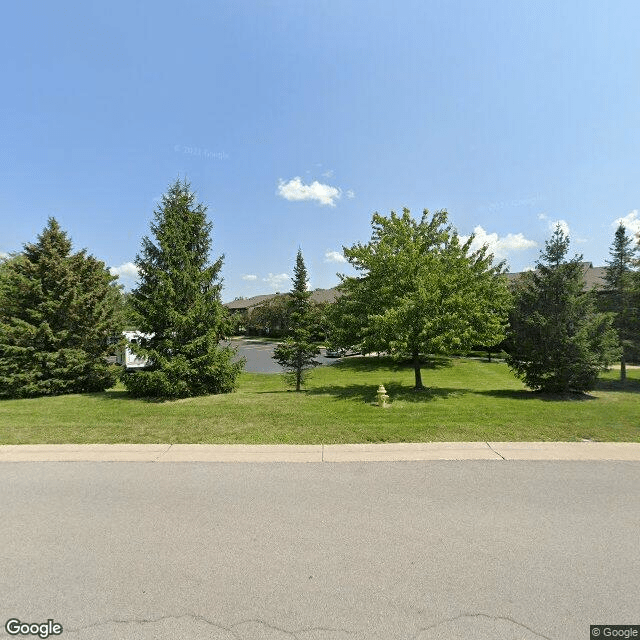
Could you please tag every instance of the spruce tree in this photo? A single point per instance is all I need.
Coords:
(57, 310)
(620, 295)
(296, 353)
(558, 342)
(177, 301)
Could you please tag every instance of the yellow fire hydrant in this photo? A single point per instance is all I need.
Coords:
(382, 396)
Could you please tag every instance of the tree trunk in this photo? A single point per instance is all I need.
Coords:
(623, 367)
(416, 368)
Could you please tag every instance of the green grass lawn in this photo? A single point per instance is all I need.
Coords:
(468, 400)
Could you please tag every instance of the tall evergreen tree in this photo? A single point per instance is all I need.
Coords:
(57, 310)
(558, 341)
(178, 303)
(296, 353)
(621, 295)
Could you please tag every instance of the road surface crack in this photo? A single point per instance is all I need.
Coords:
(481, 615)
(494, 451)
(229, 629)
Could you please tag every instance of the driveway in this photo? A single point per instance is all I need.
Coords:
(259, 355)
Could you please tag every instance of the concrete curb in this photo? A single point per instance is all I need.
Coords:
(321, 453)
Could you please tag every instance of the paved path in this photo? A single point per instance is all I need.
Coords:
(322, 453)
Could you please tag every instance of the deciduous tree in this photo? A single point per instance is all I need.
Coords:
(271, 316)
(420, 292)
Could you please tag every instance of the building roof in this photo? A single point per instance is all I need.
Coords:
(325, 295)
(318, 296)
(248, 303)
(594, 278)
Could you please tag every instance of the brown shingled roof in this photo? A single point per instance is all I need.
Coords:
(248, 303)
(594, 278)
(318, 296)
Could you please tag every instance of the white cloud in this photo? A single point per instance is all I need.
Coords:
(334, 256)
(499, 247)
(631, 222)
(328, 174)
(542, 216)
(351, 194)
(125, 270)
(127, 274)
(3, 255)
(563, 225)
(250, 276)
(296, 190)
(276, 281)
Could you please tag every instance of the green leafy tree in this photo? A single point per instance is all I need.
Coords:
(271, 316)
(420, 292)
(57, 311)
(621, 295)
(319, 320)
(558, 341)
(177, 301)
(296, 354)
(238, 321)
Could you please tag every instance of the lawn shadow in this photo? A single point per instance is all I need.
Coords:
(380, 366)
(395, 391)
(106, 396)
(631, 385)
(527, 394)
(123, 394)
(362, 364)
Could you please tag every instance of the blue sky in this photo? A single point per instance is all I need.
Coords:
(294, 121)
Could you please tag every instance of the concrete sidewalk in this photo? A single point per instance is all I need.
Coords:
(321, 453)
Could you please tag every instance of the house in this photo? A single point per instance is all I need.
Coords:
(594, 277)
(248, 304)
(267, 314)
(125, 357)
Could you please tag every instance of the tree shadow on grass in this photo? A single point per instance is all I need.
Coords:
(123, 395)
(361, 364)
(395, 391)
(381, 366)
(109, 394)
(527, 394)
(629, 386)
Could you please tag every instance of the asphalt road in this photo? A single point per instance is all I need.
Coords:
(259, 356)
(479, 550)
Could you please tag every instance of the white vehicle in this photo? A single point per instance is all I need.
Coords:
(129, 360)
